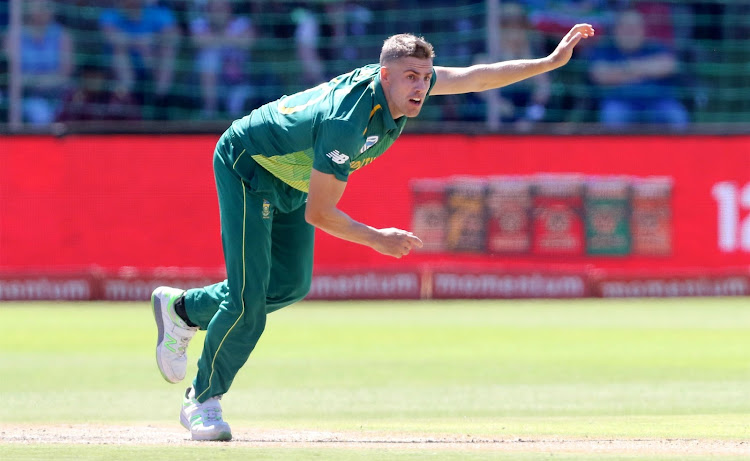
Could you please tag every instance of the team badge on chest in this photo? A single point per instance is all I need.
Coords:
(371, 140)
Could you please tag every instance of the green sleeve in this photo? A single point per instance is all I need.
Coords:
(335, 143)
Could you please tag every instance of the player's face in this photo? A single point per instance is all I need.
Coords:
(405, 84)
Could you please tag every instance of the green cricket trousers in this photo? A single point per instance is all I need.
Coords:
(268, 249)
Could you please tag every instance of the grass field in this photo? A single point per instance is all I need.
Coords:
(528, 380)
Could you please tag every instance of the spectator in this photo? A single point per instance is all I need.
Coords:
(524, 103)
(94, 99)
(636, 78)
(223, 42)
(659, 18)
(551, 17)
(348, 28)
(46, 55)
(143, 39)
(306, 38)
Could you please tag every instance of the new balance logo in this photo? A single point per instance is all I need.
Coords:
(337, 157)
(170, 342)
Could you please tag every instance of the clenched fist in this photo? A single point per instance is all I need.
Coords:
(396, 242)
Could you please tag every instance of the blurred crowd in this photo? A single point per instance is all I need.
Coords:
(218, 59)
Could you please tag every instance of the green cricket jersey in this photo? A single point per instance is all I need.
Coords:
(336, 127)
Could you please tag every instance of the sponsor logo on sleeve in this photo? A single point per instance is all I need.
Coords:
(337, 157)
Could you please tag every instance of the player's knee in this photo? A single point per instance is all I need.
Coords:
(245, 303)
(300, 291)
(297, 291)
(254, 319)
(288, 293)
(304, 284)
(298, 284)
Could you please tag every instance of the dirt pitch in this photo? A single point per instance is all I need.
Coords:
(264, 438)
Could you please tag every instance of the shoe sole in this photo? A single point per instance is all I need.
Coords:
(221, 437)
(157, 310)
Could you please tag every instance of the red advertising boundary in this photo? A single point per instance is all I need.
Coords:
(71, 204)
(413, 283)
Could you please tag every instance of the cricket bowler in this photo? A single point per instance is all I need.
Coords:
(280, 172)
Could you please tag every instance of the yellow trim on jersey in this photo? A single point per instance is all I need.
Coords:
(372, 112)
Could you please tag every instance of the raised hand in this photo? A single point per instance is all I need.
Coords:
(564, 50)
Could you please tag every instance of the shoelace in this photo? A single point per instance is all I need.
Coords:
(183, 346)
(212, 413)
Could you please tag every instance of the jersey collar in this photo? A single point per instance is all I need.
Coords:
(388, 121)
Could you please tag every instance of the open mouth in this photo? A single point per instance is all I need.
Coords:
(416, 101)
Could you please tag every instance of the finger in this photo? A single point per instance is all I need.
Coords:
(585, 30)
(415, 241)
(574, 40)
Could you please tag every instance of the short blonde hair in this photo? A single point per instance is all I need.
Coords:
(405, 45)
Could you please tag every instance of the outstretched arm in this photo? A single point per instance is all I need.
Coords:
(321, 211)
(481, 77)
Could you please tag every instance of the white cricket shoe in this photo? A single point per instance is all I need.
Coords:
(203, 420)
(174, 334)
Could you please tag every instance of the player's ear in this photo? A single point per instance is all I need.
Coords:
(384, 74)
